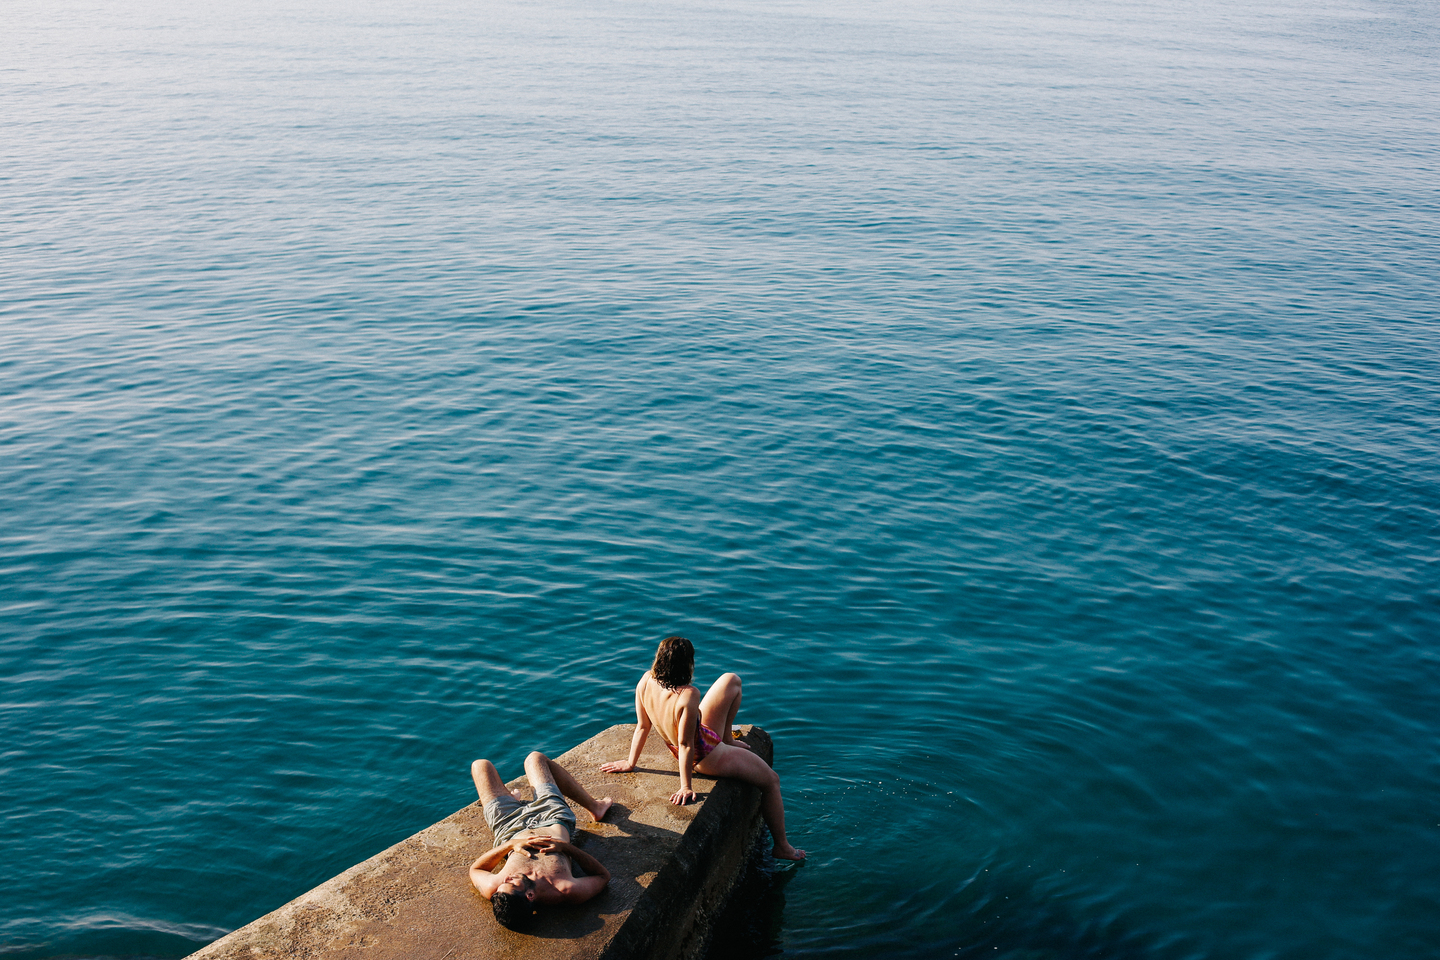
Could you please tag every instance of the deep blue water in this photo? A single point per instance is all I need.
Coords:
(1036, 403)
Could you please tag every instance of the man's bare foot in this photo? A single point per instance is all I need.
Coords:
(787, 852)
(601, 808)
(516, 794)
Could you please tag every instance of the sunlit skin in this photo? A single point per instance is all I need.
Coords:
(536, 864)
(674, 713)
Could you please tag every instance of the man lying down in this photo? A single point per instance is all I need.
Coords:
(532, 849)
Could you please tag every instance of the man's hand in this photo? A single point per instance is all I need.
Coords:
(546, 845)
(682, 796)
(617, 766)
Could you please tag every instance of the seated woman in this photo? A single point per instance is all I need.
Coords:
(698, 733)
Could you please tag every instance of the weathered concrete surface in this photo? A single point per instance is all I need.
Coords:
(671, 870)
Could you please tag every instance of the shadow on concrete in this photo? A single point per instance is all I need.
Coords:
(565, 922)
(667, 771)
(624, 847)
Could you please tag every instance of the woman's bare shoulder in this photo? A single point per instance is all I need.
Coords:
(649, 690)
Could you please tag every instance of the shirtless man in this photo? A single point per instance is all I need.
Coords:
(665, 698)
(532, 843)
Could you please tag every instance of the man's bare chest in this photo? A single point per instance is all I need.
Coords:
(550, 866)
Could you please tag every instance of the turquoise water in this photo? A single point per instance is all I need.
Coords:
(1037, 404)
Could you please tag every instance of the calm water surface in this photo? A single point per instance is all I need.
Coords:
(1037, 404)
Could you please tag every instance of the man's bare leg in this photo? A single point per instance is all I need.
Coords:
(727, 761)
(487, 781)
(720, 705)
(541, 769)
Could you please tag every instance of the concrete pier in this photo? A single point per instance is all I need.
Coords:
(672, 869)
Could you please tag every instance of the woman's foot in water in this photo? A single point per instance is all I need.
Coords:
(787, 852)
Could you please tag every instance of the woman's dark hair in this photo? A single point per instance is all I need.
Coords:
(674, 663)
(512, 910)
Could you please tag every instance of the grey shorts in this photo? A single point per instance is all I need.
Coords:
(508, 816)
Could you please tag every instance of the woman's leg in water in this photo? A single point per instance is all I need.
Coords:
(730, 761)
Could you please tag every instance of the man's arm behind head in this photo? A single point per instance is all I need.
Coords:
(582, 889)
(485, 881)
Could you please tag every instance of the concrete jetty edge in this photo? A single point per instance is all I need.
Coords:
(672, 871)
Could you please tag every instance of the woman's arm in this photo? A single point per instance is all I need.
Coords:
(637, 741)
(685, 749)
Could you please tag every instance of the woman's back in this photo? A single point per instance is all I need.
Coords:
(665, 706)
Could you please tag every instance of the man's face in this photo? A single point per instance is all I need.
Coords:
(518, 883)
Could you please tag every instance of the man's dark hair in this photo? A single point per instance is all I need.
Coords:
(674, 663)
(513, 910)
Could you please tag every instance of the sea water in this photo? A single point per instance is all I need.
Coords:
(1036, 403)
